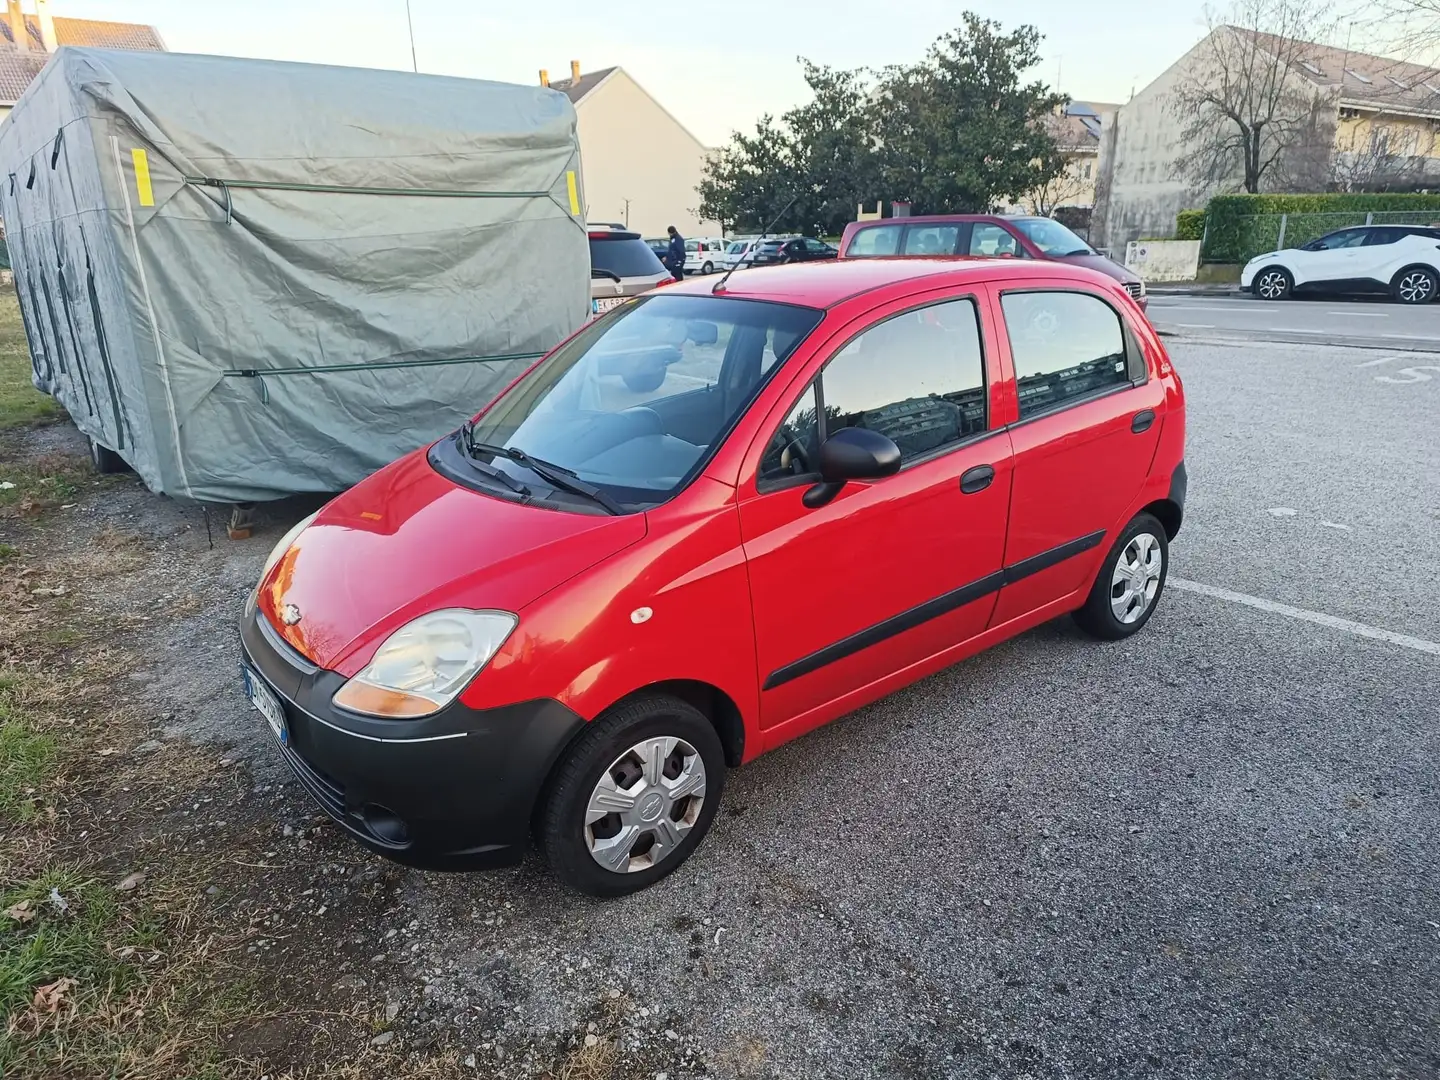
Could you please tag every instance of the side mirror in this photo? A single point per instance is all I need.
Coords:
(852, 454)
(702, 333)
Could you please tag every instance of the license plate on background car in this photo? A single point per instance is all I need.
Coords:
(600, 306)
(267, 704)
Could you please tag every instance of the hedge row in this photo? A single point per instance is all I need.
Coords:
(1243, 226)
(1190, 225)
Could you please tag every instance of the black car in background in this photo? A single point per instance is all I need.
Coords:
(796, 249)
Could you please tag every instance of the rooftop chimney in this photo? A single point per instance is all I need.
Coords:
(574, 71)
(544, 75)
(18, 30)
(47, 25)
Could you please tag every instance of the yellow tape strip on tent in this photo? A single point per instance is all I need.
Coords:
(574, 193)
(142, 177)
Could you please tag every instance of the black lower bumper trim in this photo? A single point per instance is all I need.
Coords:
(455, 791)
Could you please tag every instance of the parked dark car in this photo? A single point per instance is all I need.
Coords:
(982, 235)
(796, 249)
(622, 266)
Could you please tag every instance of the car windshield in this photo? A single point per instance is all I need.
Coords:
(1051, 237)
(637, 402)
(737, 247)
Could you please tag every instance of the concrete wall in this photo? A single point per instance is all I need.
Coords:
(1163, 260)
(631, 148)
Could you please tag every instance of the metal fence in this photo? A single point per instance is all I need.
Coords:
(1259, 233)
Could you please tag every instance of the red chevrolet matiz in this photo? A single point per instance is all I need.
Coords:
(712, 520)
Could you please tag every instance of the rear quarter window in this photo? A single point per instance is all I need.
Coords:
(875, 241)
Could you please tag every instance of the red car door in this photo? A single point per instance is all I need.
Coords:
(892, 571)
(1087, 424)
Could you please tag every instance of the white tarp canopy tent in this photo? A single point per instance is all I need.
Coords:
(253, 278)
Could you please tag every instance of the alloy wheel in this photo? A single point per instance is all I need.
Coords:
(1272, 285)
(1416, 287)
(644, 804)
(1136, 579)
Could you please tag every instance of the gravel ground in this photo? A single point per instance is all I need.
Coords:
(1206, 852)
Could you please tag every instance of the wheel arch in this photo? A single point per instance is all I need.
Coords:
(1168, 513)
(1431, 268)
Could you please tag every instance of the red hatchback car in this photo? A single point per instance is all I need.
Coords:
(712, 520)
(983, 236)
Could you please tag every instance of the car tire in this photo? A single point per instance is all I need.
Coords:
(708, 268)
(1131, 580)
(605, 765)
(1415, 285)
(104, 460)
(1274, 283)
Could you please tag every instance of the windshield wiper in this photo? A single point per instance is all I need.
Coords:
(1078, 251)
(471, 448)
(557, 475)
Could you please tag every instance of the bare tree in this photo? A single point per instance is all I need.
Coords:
(1245, 105)
(1062, 189)
(1409, 28)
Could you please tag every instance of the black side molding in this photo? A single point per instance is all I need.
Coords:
(931, 609)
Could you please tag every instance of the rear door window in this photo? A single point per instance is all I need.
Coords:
(875, 241)
(932, 239)
(1065, 346)
(992, 240)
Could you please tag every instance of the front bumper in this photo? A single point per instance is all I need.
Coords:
(454, 791)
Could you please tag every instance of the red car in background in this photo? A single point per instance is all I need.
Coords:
(986, 236)
(710, 521)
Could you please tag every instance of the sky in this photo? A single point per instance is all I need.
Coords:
(717, 67)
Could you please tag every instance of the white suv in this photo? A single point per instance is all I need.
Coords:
(1402, 260)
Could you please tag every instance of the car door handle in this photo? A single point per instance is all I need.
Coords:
(1142, 420)
(976, 479)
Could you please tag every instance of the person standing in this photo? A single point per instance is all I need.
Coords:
(675, 262)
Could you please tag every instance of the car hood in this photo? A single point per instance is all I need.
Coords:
(407, 541)
(1108, 267)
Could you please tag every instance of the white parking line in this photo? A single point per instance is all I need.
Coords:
(1316, 617)
(1195, 326)
(1382, 360)
(1360, 314)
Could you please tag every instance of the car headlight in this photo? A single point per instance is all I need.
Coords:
(423, 666)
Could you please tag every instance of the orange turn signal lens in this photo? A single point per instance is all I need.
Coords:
(362, 697)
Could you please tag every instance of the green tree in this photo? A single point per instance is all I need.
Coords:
(960, 131)
(819, 154)
(957, 131)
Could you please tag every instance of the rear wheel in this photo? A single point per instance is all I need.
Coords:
(1274, 283)
(1416, 285)
(633, 797)
(708, 268)
(1131, 579)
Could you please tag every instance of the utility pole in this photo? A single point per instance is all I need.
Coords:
(627, 213)
(409, 22)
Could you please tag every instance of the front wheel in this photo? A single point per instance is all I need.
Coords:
(1274, 283)
(1131, 580)
(1414, 286)
(708, 268)
(633, 797)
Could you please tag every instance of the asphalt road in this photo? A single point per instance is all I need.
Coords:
(1206, 852)
(1366, 322)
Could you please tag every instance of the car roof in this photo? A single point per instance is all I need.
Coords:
(922, 219)
(825, 283)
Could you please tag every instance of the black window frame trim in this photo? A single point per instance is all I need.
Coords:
(765, 487)
(1134, 357)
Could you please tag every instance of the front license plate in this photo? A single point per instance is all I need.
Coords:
(268, 705)
(600, 306)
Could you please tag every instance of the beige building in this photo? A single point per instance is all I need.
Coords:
(640, 165)
(1378, 121)
(28, 38)
(1076, 130)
